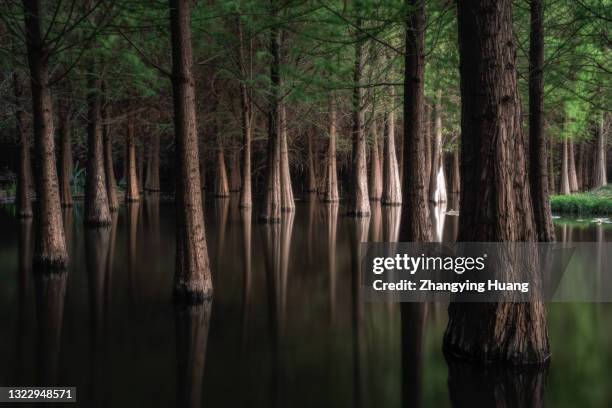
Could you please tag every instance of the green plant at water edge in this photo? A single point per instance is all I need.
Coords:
(596, 202)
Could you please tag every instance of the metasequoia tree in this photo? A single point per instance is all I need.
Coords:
(599, 164)
(311, 182)
(437, 181)
(392, 190)
(66, 161)
(111, 182)
(152, 182)
(376, 180)
(221, 183)
(493, 157)
(132, 192)
(287, 202)
(571, 157)
(192, 278)
(246, 199)
(331, 177)
(564, 187)
(24, 205)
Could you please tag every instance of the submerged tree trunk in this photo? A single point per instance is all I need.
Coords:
(311, 183)
(538, 154)
(221, 183)
(111, 182)
(437, 181)
(416, 223)
(564, 188)
(287, 202)
(152, 183)
(50, 249)
(359, 203)
(65, 157)
(331, 176)
(22, 199)
(392, 189)
(495, 199)
(132, 192)
(376, 181)
(573, 179)
(192, 279)
(599, 164)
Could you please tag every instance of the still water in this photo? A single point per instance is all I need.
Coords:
(286, 328)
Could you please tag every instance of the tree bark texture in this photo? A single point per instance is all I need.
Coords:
(221, 182)
(287, 201)
(599, 165)
(376, 180)
(331, 176)
(392, 189)
(573, 179)
(111, 181)
(22, 199)
(564, 187)
(437, 181)
(132, 192)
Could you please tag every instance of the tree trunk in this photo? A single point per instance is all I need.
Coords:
(65, 158)
(311, 183)
(455, 176)
(24, 205)
(495, 200)
(152, 183)
(111, 182)
(132, 192)
(287, 202)
(437, 181)
(221, 183)
(428, 146)
(192, 278)
(415, 224)
(376, 181)
(599, 164)
(246, 199)
(392, 190)
(331, 176)
(271, 209)
(551, 167)
(50, 252)
(573, 180)
(564, 188)
(141, 166)
(235, 182)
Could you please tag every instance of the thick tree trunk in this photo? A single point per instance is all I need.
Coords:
(599, 164)
(359, 203)
(287, 202)
(24, 205)
(573, 179)
(132, 192)
(495, 200)
(331, 176)
(192, 278)
(392, 190)
(66, 162)
(437, 181)
(415, 224)
(221, 183)
(235, 182)
(50, 249)
(311, 183)
(111, 182)
(271, 209)
(538, 155)
(152, 183)
(376, 180)
(564, 188)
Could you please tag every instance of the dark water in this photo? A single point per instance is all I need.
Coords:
(286, 328)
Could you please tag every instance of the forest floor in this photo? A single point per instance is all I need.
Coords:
(594, 202)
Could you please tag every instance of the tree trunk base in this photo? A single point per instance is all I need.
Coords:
(266, 219)
(46, 264)
(24, 214)
(391, 203)
(94, 223)
(184, 295)
(358, 213)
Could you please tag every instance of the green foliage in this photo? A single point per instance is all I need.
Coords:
(597, 202)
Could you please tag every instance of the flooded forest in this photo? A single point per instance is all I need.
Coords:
(185, 187)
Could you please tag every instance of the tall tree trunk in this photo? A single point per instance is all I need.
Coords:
(392, 190)
(192, 278)
(65, 157)
(538, 155)
(141, 167)
(551, 167)
(271, 209)
(287, 202)
(331, 176)
(376, 181)
(437, 181)
(455, 177)
(573, 180)
(152, 183)
(599, 164)
(24, 205)
(132, 192)
(111, 182)
(50, 249)
(359, 203)
(428, 146)
(311, 183)
(235, 181)
(416, 223)
(495, 200)
(221, 183)
(564, 188)
(246, 199)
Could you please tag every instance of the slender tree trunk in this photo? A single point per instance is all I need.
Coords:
(437, 181)
(287, 202)
(564, 188)
(416, 223)
(50, 249)
(24, 205)
(65, 157)
(152, 183)
(192, 279)
(271, 209)
(428, 146)
(311, 183)
(221, 183)
(376, 181)
(246, 199)
(599, 164)
(132, 192)
(359, 203)
(331, 176)
(551, 167)
(111, 182)
(573, 180)
(495, 199)
(392, 190)
(141, 167)
(235, 182)
(455, 172)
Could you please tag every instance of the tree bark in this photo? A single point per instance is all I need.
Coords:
(66, 161)
(599, 165)
(111, 182)
(221, 183)
(50, 252)
(455, 176)
(132, 192)
(24, 205)
(437, 181)
(141, 167)
(192, 279)
(573, 179)
(392, 190)
(311, 183)
(246, 199)
(564, 188)
(331, 176)
(235, 182)
(359, 203)
(495, 200)
(287, 202)
(415, 224)
(376, 180)
(428, 146)
(152, 183)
